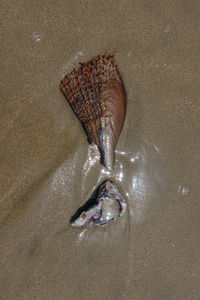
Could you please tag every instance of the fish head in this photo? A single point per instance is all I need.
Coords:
(87, 217)
(99, 211)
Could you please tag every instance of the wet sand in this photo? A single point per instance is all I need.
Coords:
(48, 169)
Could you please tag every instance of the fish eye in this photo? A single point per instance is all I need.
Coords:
(83, 216)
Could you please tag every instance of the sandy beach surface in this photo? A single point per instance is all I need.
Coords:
(48, 169)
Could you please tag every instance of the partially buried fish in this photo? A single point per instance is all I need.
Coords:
(104, 206)
(97, 96)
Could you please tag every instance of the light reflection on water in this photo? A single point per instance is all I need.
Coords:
(136, 175)
(128, 174)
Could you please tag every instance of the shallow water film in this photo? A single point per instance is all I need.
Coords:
(48, 169)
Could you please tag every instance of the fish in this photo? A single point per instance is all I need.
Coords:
(96, 94)
(104, 206)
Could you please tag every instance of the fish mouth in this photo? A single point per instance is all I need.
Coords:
(84, 208)
(91, 202)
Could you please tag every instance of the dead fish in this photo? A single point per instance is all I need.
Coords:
(104, 206)
(97, 96)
